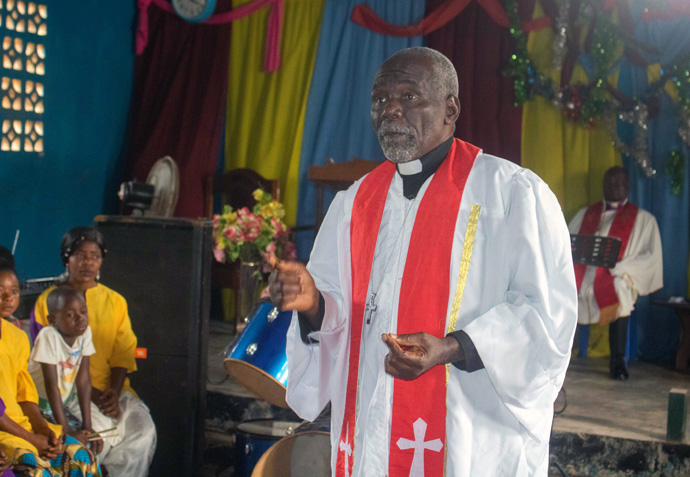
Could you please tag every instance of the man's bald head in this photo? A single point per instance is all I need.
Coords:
(414, 103)
(444, 78)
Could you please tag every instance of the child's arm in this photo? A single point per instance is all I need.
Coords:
(11, 427)
(46, 448)
(43, 438)
(50, 378)
(83, 383)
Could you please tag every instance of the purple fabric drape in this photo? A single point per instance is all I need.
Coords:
(179, 101)
(480, 49)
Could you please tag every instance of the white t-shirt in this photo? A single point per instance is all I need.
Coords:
(50, 348)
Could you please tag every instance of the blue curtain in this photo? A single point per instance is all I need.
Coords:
(337, 123)
(89, 62)
(658, 326)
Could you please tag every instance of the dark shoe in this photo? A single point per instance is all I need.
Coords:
(619, 373)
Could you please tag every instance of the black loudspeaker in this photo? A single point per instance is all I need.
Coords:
(162, 268)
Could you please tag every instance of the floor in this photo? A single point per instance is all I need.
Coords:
(632, 409)
(594, 405)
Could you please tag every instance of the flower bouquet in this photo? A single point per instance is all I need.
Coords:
(251, 236)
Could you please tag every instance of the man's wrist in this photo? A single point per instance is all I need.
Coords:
(308, 325)
(315, 314)
(452, 351)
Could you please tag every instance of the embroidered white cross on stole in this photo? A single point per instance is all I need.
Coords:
(347, 449)
(419, 446)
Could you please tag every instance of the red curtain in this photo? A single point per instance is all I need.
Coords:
(179, 101)
(480, 49)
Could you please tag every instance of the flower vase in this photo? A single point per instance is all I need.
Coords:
(250, 277)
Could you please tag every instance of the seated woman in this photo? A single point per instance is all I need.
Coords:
(114, 402)
(34, 446)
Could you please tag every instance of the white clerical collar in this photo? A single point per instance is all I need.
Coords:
(410, 168)
(610, 205)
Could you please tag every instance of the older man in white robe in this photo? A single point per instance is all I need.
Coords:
(609, 296)
(438, 308)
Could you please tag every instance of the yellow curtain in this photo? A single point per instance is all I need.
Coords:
(265, 116)
(570, 158)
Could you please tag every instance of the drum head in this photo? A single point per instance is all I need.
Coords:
(259, 382)
(307, 454)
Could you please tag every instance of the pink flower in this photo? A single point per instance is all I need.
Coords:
(271, 248)
(278, 226)
(289, 251)
(219, 255)
(252, 232)
(230, 233)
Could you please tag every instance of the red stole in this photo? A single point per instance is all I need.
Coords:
(604, 291)
(423, 305)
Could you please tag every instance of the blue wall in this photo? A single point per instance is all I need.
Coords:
(89, 63)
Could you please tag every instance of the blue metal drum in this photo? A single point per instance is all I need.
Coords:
(254, 437)
(257, 358)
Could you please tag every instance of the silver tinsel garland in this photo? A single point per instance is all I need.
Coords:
(638, 116)
(562, 34)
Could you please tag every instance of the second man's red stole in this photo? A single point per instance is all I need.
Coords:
(419, 406)
(604, 290)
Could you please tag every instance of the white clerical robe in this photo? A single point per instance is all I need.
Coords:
(639, 272)
(518, 307)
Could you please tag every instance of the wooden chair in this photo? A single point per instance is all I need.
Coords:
(236, 187)
(337, 177)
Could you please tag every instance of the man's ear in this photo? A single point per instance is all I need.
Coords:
(452, 109)
(51, 319)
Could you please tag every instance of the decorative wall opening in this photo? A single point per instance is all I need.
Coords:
(23, 27)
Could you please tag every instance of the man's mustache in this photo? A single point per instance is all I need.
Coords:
(387, 128)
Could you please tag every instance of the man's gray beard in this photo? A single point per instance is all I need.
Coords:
(392, 149)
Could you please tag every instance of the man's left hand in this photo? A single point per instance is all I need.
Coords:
(412, 355)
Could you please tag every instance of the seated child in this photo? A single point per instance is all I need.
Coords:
(59, 362)
(33, 445)
(9, 289)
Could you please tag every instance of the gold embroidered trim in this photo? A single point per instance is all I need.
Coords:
(464, 270)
